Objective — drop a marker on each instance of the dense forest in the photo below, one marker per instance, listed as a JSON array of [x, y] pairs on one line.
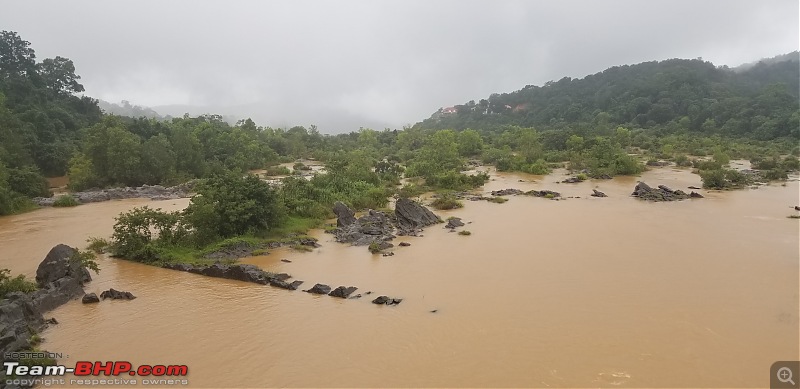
[[603, 125], [675, 96]]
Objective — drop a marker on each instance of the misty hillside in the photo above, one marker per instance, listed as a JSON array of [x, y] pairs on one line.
[[125, 108], [675, 95]]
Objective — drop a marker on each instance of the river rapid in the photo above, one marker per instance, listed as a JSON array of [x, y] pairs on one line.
[[584, 292]]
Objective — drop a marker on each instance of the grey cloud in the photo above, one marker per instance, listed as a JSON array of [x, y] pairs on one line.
[[345, 64]]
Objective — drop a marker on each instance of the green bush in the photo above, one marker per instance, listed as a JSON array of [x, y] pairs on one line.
[[15, 284], [98, 245], [65, 201], [446, 200]]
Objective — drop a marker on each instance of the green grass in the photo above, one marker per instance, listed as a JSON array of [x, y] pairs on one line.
[[549, 196], [464, 232], [65, 201], [295, 225], [446, 200], [303, 248]]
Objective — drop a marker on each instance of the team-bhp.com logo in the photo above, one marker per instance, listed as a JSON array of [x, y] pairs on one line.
[[86, 371]]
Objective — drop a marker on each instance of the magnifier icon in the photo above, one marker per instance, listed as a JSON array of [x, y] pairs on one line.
[[785, 375]]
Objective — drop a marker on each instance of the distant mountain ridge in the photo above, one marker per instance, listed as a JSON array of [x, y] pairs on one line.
[[758, 100]]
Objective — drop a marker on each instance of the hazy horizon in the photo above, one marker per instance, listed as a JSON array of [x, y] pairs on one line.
[[373, 63]]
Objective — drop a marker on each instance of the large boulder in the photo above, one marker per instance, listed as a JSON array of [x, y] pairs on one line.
[[372, 227], [454, 222], [411, 215], [344, 215], [59, 278], [90, 298], [58, 264]]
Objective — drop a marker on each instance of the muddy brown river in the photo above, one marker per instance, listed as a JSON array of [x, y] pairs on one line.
[[586, 292]]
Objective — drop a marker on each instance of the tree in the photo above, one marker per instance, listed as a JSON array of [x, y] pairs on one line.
[[229, 205], [470, 143], [58, 74], [16, 55]]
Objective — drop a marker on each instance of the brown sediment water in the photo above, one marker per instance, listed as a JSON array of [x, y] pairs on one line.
[[584, 292]]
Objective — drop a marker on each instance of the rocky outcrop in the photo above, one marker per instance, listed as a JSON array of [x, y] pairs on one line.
[[696, 195], [404, 244], [374, 227], [286, 285], [661, 193], [116, 295], [454, 222], [239, 272], [154, 192], [597, 193], [344, 215], [320, 289], [343, 291], [90, 298], [506, 192], [60, 279], [380, 300], [411, 216], [543, 193]]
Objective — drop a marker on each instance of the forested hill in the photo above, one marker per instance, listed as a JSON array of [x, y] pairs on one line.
[[757, 101]]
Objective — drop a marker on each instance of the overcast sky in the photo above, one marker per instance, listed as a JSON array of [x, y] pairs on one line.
[[350, 63]]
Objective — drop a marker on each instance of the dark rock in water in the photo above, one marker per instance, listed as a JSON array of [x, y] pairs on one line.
[[410, 215], [543, 193], [310, 242], [154, 192], [368, 292], [657, 163], [797, 207], [572, 180], [597, 193], [375, 226], [344, 215], [434, 310], [454, 222], [57, 264], [662, 193], [404, 244], [51, 320], [117, 295], [695, 195], [281, 276], [286, 285], [386, 300], [286, 260], [320, 289], [694, 187], [59, 278], [90, 298], [506, 192], [389, 254], [343, 291]]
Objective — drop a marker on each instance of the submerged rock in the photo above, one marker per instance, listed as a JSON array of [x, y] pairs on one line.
[[90, 298], [117, 295], [506, 192], [543, 193], [320, 289], [454, 222], [404, 244], [342, 291], [572, 180], [381, 300], [597, 193]]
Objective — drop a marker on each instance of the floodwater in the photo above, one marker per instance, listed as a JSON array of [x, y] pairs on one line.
[[585, 292]]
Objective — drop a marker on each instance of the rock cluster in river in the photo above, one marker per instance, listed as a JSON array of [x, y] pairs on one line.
[[376, 228], [59, 279], [661, 193], [153, 192], [535, 193]]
